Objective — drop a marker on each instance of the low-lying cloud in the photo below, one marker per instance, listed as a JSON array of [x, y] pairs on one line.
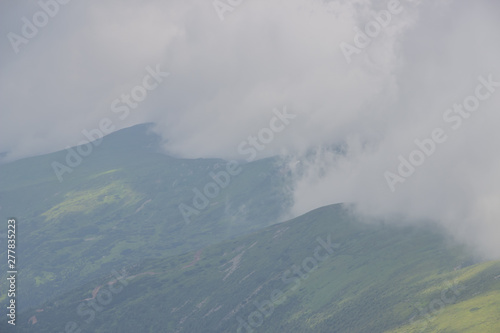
[[355, 115]]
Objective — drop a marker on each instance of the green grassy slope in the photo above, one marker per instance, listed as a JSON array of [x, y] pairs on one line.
[[372, 278], [121, 205]]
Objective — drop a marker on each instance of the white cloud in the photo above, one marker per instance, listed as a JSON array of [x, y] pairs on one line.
[[226, 78]]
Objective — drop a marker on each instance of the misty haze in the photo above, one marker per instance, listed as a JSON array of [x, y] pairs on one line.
[[245, 166]]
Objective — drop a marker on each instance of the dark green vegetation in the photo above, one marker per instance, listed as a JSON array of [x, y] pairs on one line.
[[107, 250], [377, 278], [120, 205]]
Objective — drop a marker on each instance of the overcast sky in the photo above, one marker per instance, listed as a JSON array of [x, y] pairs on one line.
[[225, 78]]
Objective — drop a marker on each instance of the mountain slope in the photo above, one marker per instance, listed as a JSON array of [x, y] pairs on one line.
[[120, 205], [321, 272]]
